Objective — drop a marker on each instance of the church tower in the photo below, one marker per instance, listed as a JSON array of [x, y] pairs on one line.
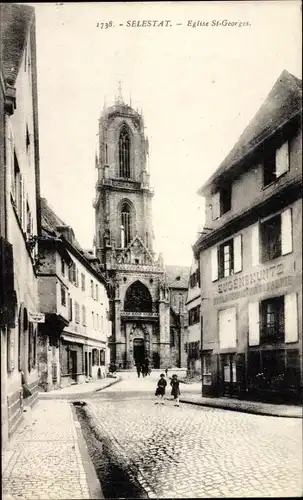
[[124, 240]]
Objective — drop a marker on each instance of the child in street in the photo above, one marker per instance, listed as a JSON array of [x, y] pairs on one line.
[[175, 390], [160, 390]]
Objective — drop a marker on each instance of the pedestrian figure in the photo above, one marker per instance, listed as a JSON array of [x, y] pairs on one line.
[[138, 368], [175, 390], [166, 372], [160, 390]]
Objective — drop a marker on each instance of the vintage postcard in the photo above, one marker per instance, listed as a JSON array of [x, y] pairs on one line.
[[151, 249]]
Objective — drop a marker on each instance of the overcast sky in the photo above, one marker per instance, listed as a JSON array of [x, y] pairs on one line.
[[198, 88]]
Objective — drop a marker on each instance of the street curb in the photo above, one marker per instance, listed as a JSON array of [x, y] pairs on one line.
[[113, 382], [239, 409], [75, 395], [93, 483]]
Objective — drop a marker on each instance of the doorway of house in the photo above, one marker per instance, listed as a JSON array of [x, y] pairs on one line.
[[229, 374], [73, 358], [90, 364], [139, 352], [86, 364]]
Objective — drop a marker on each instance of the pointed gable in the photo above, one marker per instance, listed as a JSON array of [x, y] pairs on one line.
[[282, 104], [136, 253]]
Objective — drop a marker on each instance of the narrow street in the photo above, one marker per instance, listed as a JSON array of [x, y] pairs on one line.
[[192, 451]]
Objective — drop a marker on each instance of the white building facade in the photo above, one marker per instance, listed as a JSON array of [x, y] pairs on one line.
[[21, 211]]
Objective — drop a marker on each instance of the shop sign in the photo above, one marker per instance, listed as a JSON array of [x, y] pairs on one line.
[[36, 317], [252, 279]]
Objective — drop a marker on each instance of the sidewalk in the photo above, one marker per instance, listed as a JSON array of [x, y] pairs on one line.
[[47, 458], [78, 390], [255, 407]]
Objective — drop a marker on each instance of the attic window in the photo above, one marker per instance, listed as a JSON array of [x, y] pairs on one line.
[[276, 163]]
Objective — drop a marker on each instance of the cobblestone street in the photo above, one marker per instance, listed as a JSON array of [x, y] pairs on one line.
[[201, 452]]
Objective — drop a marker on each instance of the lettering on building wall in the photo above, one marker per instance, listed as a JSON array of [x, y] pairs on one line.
[[266, 287], [251, 279]]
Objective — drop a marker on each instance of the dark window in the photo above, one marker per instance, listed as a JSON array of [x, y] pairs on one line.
[[225, 199], [63, 296], [269, 171], [271, 238], [272, 320], [70, 309], [172, 338], [62, 267], [124, 153], [92, 288], [194, 279], [138, 298], [102, 358], [226, 259], [27, 138], [194, 315], [126, 223]]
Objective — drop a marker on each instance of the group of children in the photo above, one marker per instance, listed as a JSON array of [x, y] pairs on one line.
[[161, 386]]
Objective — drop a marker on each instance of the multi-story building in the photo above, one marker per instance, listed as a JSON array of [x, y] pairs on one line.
[[251, 257], [20, 215], [140, 298], [193, 307], [73, 340]]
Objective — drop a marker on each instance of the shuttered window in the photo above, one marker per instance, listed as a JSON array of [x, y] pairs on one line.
[[227, 328], [286, 230], [291, 317], [282, 159], [253, 324], [238, 253], [255, 244], [214, 263]]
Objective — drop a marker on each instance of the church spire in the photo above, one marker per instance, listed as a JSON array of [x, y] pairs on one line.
[[119, 98]]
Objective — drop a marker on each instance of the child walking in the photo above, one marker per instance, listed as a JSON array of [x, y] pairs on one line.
[[175, 391], [160, 390]]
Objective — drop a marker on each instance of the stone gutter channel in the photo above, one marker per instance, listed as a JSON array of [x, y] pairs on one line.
[[119, 477]]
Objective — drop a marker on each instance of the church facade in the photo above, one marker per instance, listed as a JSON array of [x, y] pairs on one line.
[[139, 291]]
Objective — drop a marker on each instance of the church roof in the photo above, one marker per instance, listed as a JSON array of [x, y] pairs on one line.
[[283, 103], [172, 272], [15, 23]]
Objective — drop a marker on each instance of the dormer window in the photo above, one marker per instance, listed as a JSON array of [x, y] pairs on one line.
[[276, 163], [124, 153], [221, 202]]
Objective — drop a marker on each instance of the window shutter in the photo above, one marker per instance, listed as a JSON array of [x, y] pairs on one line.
[[214, 263], [291, 317], [238, 253], [227, 328], [216, 205], [255, 245], [253, 323], [282, 159], [286, 231]]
